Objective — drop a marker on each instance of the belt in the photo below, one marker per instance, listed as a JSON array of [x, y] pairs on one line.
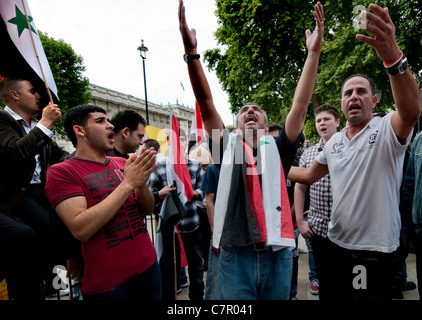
[[259, 246]]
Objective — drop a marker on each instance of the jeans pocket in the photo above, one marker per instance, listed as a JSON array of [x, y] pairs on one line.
[[226, 253], [285, 254]]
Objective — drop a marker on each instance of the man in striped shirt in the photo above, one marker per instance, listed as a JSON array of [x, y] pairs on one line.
[[327, 120]]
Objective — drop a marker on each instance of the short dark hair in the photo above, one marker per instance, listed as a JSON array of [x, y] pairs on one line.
[[7, 84], [371, 83], [78, 116], [329, 108], [127, 118], [152, 143], [274, 127]]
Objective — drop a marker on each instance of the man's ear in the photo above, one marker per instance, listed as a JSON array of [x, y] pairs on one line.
[[79, 130], [125, 132], [13, 94]]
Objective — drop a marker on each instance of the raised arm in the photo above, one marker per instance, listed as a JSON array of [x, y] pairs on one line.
[[404, 86], [199, 82], [308, 175], [305, 87]]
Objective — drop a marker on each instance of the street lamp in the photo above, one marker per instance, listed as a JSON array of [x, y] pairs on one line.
[[143, 51]]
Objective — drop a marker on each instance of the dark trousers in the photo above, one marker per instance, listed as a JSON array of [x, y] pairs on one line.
[[358, 274], [18, 247], [192, 243], [418, 246], [321, 252], [35, 209]]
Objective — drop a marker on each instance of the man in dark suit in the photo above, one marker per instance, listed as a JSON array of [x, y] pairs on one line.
[[26, 151]]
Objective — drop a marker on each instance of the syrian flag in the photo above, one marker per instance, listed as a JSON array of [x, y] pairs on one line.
[[176, 167], [172, 210], [197, 128], [22, 52]]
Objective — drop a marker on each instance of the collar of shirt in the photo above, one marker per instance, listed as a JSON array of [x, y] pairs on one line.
[[36, 177], [18, 118], [28, 127]]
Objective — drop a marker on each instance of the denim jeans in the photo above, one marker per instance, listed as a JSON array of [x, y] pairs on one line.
[[142, 287], [192, 243], [211, 286], [246, 274]]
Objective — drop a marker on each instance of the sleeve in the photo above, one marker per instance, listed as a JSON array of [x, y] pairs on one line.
[[407, 193], [210, 181], [61, 185], [15, 147], [322, 156], [199, 181], [302, 160], [287, 152]]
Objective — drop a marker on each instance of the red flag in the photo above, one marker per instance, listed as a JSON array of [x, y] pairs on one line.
[[177, 169], [197, 126]]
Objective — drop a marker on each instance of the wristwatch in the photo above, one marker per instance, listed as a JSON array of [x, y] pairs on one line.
[[400, 67], [190, 57]]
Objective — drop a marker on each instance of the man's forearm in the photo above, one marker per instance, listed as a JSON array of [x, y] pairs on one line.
[[145, 199]]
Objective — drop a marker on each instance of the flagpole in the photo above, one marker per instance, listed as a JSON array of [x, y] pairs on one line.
[[174, 264], [36, 52]]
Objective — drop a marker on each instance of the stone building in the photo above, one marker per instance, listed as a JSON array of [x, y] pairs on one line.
[[114, 101]]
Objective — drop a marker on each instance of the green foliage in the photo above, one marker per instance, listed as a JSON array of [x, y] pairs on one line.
[[262, 50], [67, 68]]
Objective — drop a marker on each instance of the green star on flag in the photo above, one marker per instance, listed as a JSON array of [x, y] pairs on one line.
[[20, 21]]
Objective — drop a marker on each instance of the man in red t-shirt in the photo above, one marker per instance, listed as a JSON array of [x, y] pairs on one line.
[[102, 200]]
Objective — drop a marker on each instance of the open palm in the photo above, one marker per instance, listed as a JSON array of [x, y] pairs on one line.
[[314, 39]]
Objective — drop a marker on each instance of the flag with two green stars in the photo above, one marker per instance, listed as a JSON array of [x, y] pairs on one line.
[[22, 54]]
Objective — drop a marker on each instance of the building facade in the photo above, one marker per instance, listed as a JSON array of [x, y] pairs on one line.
[[114, 101]]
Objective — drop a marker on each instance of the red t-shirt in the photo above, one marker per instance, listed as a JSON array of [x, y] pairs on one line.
[[122, 248]]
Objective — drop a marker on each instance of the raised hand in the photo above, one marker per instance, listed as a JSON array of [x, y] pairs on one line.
[[50, 115], [314, 39], [138, 168], [188, 35], [380, 25]]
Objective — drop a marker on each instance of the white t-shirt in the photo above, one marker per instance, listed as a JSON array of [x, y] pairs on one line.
[[366, 174]]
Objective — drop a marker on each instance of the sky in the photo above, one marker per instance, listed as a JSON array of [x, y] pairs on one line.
[[107, 33]]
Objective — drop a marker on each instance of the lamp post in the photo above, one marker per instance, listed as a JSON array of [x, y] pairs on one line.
[[143, 51]]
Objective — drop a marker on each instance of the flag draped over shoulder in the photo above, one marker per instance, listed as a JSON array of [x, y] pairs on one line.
[[247, 212], [177, 170], [21, 48]]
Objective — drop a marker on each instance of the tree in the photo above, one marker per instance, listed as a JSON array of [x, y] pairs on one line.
[[263, 50], [67, 68]]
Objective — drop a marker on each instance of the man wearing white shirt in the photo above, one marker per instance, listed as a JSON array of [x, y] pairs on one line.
[[26, 151], [365, 162]]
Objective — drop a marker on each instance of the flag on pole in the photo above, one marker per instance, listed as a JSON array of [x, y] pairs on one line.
[[197, 128], [176, 167], [22, 51], [172, 210]]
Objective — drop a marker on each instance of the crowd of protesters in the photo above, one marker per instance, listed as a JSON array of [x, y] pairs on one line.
[[87, 210]]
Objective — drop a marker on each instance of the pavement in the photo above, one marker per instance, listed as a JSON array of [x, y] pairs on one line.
[[303, 292]]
